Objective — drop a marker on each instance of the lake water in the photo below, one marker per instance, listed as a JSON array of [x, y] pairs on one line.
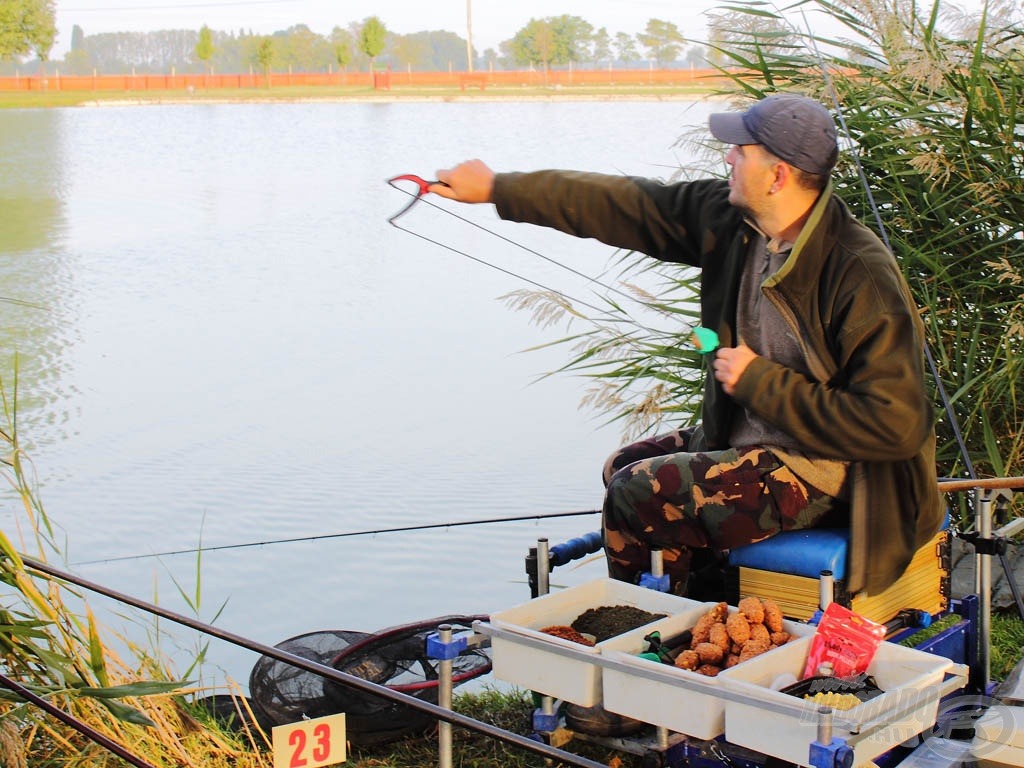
[[232, 346]]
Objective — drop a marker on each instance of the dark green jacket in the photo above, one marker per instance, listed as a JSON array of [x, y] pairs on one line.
[[842, 293]]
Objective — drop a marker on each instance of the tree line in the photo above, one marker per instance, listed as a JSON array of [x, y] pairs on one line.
[[27, 28], [27, 35]]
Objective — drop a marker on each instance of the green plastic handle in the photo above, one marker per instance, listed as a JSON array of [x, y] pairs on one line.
[[704, 340]]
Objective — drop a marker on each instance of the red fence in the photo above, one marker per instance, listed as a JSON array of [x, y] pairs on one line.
[[379, 80]]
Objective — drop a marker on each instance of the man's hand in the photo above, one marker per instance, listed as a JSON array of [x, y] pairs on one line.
[[730, 363], [468, 182]]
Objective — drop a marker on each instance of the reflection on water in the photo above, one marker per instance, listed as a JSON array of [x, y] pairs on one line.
[[36, 286], [236, 349]]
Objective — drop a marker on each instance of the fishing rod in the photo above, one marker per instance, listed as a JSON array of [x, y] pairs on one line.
[[372, 532], [84, 729], [503, 270], [947, 403], [423, 187], [330, 673], [624, 338]]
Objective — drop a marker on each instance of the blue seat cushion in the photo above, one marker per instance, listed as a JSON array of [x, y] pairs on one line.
[[806, 552]]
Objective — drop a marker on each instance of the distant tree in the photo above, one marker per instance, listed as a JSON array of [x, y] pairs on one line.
[[573, 38], [663, 41], [205, 48], [490, 58], [412, 51], [601, 49], [535, 44], [344, 47], [27, 26], [300, 49], [264, 55], [552, 41], [430, 51], [41, 27], [372, 38], [142, 51], [507, 55], [13, 42], [626, 47], [229, 50], [696, 56], [76, 60]]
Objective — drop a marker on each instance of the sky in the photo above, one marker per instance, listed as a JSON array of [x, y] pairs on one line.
[[493, 21]]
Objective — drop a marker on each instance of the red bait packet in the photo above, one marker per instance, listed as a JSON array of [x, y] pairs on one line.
[[844, 644]]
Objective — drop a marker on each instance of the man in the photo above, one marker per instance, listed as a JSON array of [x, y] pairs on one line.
[[815, 410]]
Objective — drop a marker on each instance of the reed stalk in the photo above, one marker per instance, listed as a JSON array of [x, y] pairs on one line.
[[52, 645]]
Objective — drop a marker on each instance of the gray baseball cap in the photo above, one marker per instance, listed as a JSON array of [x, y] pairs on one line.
[[794, 128]]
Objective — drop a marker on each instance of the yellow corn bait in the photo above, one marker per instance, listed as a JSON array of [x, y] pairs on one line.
[[833, 699]]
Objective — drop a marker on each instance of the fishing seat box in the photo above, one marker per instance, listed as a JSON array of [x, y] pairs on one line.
[[526, 657], [787, 568]]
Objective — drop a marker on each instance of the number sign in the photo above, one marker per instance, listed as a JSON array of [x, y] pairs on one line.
[[310, 743]]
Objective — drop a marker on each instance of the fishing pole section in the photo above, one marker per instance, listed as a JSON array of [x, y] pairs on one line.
[[607, 317], [437, 650]]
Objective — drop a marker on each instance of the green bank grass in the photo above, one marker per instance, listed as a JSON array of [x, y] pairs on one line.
[[44, 99]]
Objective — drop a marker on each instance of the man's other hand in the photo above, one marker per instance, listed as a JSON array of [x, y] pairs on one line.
[[730, 363]]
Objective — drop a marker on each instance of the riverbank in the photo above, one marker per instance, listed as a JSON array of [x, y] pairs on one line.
[[116, 98]]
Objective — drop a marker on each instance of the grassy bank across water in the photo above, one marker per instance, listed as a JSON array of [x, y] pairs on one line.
[[54, 98]]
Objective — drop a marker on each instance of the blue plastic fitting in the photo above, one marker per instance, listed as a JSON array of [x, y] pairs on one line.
[[544, 722], [650, 581], [446, 651], [834, 755]]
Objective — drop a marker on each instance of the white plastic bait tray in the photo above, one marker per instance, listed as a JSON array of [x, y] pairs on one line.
[[661, 694], [523, 655], [784, 726]]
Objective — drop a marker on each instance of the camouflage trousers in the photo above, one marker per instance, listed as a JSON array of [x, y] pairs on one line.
[[660, 494]]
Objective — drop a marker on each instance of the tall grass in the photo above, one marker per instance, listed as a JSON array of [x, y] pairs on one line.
[[53, 646]]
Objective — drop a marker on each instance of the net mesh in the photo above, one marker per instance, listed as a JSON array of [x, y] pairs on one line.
[[395, 657], [282, 693]]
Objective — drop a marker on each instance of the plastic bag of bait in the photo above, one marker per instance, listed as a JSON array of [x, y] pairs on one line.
[[844, 644]]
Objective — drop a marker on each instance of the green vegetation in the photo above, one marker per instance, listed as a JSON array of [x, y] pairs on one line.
[[27, 26], [371, 39], [663, 41], [551, 42], [572, 41], [264, 55], [205, 48], [53, 646]]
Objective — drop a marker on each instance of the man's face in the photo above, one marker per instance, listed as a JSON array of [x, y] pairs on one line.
[[753, 172]]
